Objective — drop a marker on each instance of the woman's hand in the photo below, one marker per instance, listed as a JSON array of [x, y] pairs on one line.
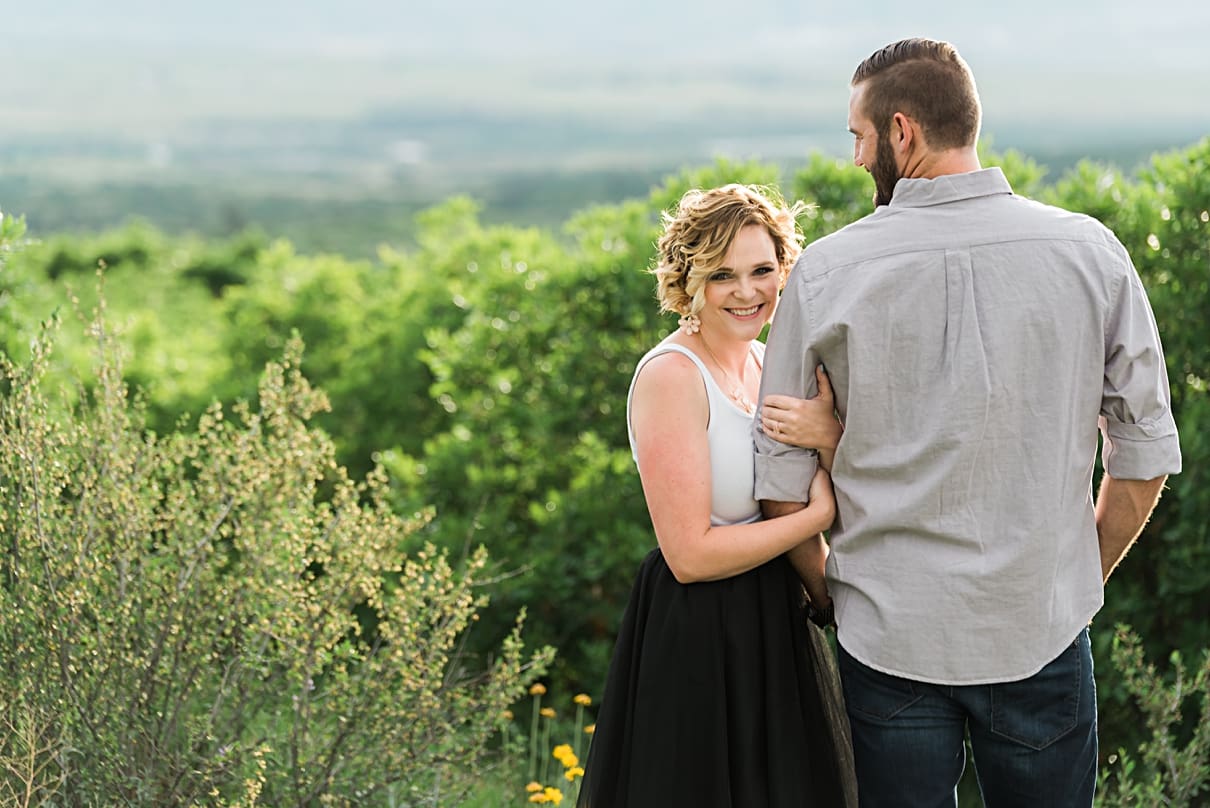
[[807, 422]]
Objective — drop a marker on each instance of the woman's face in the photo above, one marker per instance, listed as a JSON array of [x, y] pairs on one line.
[[741, 294]]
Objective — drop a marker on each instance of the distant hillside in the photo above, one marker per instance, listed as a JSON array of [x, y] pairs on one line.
[[236, 113]]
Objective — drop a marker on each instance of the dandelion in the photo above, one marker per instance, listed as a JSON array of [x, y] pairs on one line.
[[568, 754], [507, 715], [565, 755]]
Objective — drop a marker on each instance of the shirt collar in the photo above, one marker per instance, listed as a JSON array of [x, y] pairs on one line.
[[920, 193]]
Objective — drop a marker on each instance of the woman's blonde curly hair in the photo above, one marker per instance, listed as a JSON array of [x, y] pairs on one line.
[[696, 239]]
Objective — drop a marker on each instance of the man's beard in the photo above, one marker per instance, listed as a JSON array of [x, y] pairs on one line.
[[884, 172]]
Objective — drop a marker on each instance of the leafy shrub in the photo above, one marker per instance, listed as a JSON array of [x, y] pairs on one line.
[[223, 616], [487, 367], [1171, 767], [531, 456]]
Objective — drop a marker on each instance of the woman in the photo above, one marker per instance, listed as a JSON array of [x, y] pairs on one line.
[[718, 694]]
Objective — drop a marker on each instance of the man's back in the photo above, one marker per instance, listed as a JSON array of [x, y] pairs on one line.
[[970, 336]]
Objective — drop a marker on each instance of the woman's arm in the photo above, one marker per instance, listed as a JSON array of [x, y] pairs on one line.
[[807, 422], [669, 415]]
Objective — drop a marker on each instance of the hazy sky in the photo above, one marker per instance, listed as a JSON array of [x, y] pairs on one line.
[[152, 66], [1171, 35]]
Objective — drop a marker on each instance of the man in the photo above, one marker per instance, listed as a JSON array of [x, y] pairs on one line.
[[975, 340]]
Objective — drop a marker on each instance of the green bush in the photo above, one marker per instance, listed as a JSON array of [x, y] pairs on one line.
[[167, 312], [223, 616], [1172, 766], [531, 455], [487, 368]]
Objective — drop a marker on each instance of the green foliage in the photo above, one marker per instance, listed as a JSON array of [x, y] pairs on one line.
[[12, 230], [839, 192], [721, 172], [533, 458], [487, 368], [224, 616], [1171, 246], [166, 310], [12, 235], [230, 264], [1165, 770], [1024, 174]]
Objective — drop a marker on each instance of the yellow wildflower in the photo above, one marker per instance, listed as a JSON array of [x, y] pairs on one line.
[[507, 715], [548, 712], [553, 795], [538, 797], [537, 689], [572, 773], [564, 754], [534, 786], [590, 729], [583, 699]]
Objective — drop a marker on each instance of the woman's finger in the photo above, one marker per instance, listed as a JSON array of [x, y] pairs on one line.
[[778, 403], [825, 384]]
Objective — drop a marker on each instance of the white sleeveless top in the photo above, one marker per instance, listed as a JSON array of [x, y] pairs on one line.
[[729, 434]]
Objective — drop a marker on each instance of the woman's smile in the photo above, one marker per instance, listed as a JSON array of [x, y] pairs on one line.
[[745, 313]]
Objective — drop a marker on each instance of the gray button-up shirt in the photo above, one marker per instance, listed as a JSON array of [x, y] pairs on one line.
[[975, 340]]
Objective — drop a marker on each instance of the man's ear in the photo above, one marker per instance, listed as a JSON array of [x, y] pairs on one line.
[[904, 133]]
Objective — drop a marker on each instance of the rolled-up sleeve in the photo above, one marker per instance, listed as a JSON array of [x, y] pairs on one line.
[[1140, 436], [784, 472]]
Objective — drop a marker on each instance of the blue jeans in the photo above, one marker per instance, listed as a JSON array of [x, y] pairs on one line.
[[1034, 742]]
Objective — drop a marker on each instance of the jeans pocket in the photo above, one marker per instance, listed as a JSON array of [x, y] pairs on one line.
[[873, 693], [1038, 711]]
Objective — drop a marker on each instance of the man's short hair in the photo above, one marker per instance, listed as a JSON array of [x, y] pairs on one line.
[[928, 81]]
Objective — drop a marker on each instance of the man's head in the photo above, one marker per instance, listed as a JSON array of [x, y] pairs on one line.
[[912, 102]]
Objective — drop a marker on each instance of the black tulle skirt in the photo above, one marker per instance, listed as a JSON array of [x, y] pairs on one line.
[[719, 694]]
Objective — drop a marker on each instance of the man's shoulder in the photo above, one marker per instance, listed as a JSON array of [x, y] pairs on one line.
[[1062, 222], [845, 244], [1013, 217]]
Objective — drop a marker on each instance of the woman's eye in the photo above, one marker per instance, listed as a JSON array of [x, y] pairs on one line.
[[762, 270], [720, 276]]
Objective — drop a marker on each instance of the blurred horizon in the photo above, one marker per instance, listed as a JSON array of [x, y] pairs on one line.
[[217, 116]]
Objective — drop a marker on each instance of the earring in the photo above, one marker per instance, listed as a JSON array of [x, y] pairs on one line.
[[691, 323]]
